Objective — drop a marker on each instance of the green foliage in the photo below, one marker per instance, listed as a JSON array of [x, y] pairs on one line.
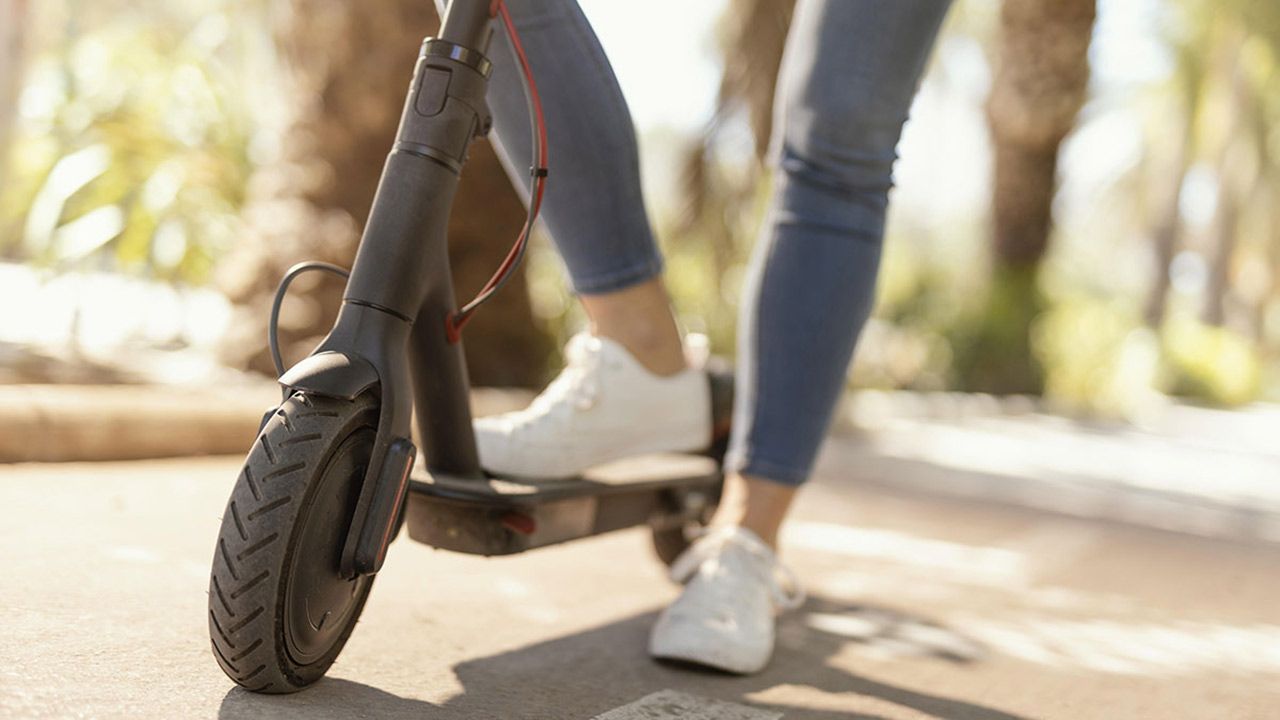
[[1096, 355], [132, 151], [141, 121], [920, 298], [1210, 364], [993, 350], [707, 263]]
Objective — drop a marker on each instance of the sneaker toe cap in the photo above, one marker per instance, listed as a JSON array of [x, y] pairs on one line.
[[494, 444], [504, 452], [717, 639]]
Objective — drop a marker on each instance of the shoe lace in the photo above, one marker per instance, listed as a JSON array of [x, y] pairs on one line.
[[577, 386], [711, 545]]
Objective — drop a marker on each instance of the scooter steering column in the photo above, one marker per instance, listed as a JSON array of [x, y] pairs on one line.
[[401, 289]]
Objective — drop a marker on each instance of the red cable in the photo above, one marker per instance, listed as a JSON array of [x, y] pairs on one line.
[[455, 322]]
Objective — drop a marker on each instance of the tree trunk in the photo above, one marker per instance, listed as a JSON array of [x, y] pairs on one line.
[[1271, 298], [1232, 165], [1224, 232], [1040, 84], [755, 35], [350, 67], [1168, 228]]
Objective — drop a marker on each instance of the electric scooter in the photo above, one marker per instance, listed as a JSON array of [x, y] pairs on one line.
[[332, 475]]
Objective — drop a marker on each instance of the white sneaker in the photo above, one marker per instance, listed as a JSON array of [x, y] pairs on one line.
[[604, 406], [724, 619]]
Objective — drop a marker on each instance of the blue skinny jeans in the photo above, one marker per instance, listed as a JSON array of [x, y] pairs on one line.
[[848, 76]]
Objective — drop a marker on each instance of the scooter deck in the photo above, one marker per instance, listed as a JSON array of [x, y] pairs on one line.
[[630, 475], [501, 516]]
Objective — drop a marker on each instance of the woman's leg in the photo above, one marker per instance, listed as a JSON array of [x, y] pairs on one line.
[[626, 389], [850, 71], [593, 206], [847, 81]]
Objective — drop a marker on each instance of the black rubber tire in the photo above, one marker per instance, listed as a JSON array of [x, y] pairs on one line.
[[298, 487], [670, 543]]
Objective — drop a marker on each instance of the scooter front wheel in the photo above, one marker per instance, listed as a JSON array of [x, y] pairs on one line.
[[280, 610]]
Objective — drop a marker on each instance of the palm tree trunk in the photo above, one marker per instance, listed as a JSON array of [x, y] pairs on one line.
[[1231, 166], [1225, 226], [1271, 298], [754, 36], [350, 64], [1039, 88], [1168, 228]]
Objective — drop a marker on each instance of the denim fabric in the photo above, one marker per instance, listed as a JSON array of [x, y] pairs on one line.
[[849, 74], [593, 207], [846, 84]]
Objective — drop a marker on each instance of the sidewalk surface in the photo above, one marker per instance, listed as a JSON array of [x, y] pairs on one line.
[[922, 606], [1207, 472]]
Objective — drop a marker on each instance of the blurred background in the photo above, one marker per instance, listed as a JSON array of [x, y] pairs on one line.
[[1053, 481], [1096, 228]]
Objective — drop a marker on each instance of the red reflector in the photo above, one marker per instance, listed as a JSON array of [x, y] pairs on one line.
[[519, 522]]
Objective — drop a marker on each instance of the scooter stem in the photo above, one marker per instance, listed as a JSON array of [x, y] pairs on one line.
[[401, 289]]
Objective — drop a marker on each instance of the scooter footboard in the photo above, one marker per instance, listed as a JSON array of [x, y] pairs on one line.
[[507, 516]]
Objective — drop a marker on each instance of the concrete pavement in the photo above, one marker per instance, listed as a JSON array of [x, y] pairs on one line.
[[921, 607], [1202, 471]]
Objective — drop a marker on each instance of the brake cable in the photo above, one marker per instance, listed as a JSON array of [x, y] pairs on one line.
[[454, 322]]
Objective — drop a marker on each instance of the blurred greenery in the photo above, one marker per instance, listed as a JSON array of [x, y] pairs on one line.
[[140, 124], [133, 149], [947, 319]]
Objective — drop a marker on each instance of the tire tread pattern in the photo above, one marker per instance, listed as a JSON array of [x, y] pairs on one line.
[[246, 587]]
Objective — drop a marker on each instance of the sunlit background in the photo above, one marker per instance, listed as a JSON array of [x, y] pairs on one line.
[[140, 138], [1051, 490]]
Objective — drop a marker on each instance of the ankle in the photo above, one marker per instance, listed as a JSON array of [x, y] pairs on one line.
[[769, 536], [660, 353], [639, 318], [754, 504]]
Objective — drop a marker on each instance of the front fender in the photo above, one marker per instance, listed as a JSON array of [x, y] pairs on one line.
[[332, 374]]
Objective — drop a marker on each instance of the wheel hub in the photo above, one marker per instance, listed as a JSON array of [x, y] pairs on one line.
[[319, 601]]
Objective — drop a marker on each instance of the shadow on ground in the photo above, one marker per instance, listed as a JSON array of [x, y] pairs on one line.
[[329, 698], [579, 676]]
